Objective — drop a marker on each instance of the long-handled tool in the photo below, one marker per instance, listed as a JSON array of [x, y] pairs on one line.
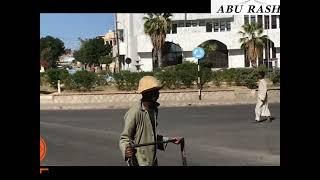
[[133, 161]]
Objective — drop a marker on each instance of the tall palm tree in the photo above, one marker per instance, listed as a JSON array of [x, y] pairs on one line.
[[156, 25], [252, 41]]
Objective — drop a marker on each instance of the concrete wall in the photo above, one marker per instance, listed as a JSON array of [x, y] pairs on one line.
[[167, 98], [236, 58]]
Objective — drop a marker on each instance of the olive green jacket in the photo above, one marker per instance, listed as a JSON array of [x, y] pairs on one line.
[[138, 128]]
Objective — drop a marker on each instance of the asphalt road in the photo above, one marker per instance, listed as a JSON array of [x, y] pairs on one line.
[[215, 136]]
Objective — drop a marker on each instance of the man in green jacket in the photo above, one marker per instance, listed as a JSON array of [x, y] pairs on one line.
[[140, 125]]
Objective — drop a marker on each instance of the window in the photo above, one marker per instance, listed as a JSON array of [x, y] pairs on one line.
[[253, 18], [228, 25], [266, 22], [273, 22], [209, 27], [172, 54], [110, 42], [222, 25], [194, 23], [246, 19], [181, 24], [188, 24], [121, 35], [174, 28], [260, 20], [169, 30], [216, 26], [274, 51], [202, 23]]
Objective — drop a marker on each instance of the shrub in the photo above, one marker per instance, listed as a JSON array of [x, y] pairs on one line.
[[101, 80], [261, 68], [229, 76], [206, 63], [205, 76], [251, 80], [83, 80], [44, 80], [168, 77], [119, 80], [103, 72], [57, 74], [186, 73], [126, 80], [217, 78], [131, 80], [241, 75], [275, 76]]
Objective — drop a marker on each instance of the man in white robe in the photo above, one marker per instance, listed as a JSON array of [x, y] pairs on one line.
[[262, 108]]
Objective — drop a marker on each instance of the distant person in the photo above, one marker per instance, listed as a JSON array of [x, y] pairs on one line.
[[262, 108]]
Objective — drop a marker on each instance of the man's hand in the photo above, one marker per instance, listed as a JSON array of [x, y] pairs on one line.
[[177, 140], [130, 152]]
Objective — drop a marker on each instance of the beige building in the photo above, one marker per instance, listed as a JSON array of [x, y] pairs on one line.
[[110, 38]]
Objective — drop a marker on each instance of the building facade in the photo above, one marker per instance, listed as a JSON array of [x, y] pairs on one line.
[[190, 30], [110, 38]]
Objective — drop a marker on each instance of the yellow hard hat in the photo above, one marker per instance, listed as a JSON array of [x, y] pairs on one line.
[[148, 83]]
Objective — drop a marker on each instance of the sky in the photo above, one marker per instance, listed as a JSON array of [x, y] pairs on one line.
[[70, 26]]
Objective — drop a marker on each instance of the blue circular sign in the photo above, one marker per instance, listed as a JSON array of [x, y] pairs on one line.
[[198, 53]]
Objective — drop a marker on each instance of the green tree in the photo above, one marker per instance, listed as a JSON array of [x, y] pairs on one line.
[[91, 51], [50, 50], [105, 60], [209, 48], [252, 41], [157, 25]]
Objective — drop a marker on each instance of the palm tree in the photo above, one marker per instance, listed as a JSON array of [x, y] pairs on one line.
[[156, 25], [252, 41]]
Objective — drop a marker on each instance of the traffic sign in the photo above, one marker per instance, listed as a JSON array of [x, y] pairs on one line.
[[198, 53]]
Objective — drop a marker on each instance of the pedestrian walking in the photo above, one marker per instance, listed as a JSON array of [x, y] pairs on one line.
[[140, 126], [262, 108]]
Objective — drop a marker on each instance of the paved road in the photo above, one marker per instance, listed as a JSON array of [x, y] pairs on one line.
[[215, 135]]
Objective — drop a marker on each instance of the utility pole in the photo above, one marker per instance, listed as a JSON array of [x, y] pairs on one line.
[[117, 39]]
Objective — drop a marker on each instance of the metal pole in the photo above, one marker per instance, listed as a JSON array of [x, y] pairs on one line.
[[268, 43], [117, 38], [199, 80], [59, 89]]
